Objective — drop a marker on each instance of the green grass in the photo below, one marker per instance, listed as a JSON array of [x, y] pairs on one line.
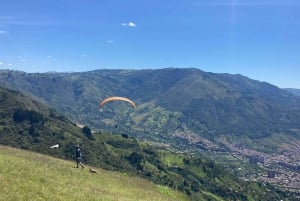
[[212, 196], [172, 159], [28, 176]]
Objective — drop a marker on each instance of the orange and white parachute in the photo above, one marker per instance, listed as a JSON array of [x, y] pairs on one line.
[[117, 98]]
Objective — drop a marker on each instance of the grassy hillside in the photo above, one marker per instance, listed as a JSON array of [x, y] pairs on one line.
[[31, 176]]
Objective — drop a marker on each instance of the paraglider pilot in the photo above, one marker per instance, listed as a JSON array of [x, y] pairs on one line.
[[78, 156]]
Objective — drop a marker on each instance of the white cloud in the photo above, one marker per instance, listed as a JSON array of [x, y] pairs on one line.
[[1, 63], [109, 41], [10, 64], [3, 32], [130, 24]]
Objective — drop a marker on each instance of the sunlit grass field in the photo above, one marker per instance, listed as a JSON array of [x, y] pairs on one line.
[[31, 176]]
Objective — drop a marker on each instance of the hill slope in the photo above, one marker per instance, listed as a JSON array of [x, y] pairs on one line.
[[294, 91], [24, 125], [30, 176]]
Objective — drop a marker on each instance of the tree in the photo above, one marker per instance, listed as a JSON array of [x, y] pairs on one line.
[[88, 133]]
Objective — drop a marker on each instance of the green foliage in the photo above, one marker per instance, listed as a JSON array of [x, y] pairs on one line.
[[88, 133], [198, 177], [136, 160], [169, 101], [21, 115]]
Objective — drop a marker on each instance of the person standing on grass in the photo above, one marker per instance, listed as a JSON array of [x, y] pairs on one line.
[[78, 156]]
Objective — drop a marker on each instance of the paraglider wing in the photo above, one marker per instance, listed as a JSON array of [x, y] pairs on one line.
[[117, 98]]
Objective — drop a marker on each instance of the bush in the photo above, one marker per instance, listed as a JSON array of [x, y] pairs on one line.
[[21, 115], [88, 133]]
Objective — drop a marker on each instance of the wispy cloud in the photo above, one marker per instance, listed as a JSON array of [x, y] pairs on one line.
[[129, 24], [4, 18], [10, 20], [109, 41], [3, 32], [83, 55]]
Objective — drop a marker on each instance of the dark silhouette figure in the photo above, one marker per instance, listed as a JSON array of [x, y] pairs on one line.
[[78, 155]]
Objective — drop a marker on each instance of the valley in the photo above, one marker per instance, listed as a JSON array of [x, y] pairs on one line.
[[285, 164], [281, 168]]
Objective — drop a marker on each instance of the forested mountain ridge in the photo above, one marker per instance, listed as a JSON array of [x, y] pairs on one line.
[[170, 102], [293, 91]]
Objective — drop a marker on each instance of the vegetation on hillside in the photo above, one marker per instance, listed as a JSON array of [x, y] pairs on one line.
[[27, 124], [170, 101], [294, 91]]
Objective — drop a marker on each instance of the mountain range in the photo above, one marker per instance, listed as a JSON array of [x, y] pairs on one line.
[[175, 107]]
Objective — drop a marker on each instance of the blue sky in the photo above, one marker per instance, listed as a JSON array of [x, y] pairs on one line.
[[256, 38]]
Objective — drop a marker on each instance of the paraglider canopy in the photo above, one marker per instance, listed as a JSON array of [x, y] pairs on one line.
[[117, 98]]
